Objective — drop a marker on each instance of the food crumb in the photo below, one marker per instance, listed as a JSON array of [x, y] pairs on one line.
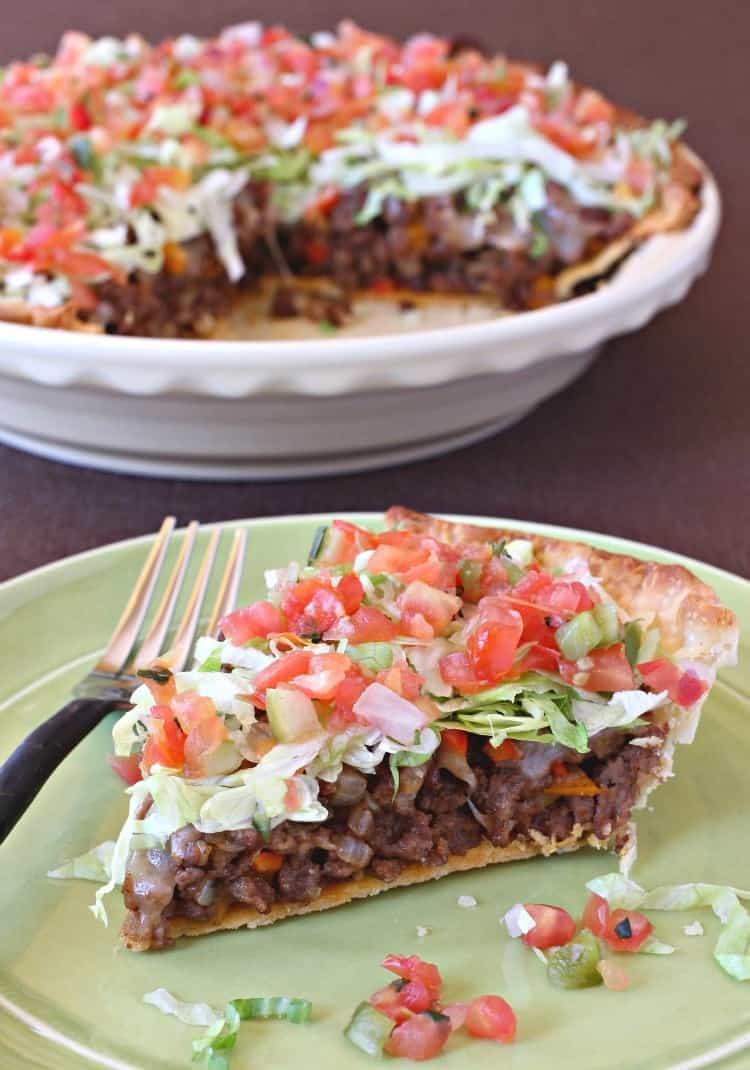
[[693, 928], [422, 931], [467, 901]]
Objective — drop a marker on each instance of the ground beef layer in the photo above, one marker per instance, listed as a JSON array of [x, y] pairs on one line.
[[431, 246], [432, 816]]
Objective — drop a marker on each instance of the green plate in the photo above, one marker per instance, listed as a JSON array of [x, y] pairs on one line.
[[72, 999]]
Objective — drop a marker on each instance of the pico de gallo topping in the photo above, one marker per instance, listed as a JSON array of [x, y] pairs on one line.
[[114, 152], [374, 653], [423, 1022]]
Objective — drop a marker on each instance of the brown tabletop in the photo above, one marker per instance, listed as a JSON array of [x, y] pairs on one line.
[[653, 443]]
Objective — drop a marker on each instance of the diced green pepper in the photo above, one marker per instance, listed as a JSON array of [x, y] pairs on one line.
[[633, 639], [578, 636], [574, 965], [470, 573], [605, 615], [369, 1029], [282, 1008]]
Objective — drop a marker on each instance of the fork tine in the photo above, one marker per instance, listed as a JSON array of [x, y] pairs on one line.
[[177, 655], [230, 581], [126, 630], [154, 639]]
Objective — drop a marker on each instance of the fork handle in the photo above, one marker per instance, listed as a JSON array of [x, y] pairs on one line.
[[34, 760]]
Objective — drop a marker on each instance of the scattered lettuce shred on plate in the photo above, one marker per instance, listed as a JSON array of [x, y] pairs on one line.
[[223, 1027], [94, 865]]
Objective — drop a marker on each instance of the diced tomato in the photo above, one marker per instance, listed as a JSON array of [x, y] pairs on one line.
[[78, 116], [413, 968], [324, 203], [343, 542], [492, 644], [690, 688], [494, 577], [508, 751], [426, 611], [592, 107], [10, 239], [663, 675], [595, 915], [166, 740], [258, 620], [128, 768], [659, 675], [457, 670], [491, 1017], [421, 1037], [456, 740], [347, 693], [457, 1014], [285, 668], [565, 133], [402, 680], [351, 592], [388, 1001], [205, 730], [568, 597], [554, 926], [448, 116], [411, 557], [543, 658], [627, 930], [367, 625], [610, 671], [311, 607], [267, 862], [400, 999], [326, 673], [145, 189]]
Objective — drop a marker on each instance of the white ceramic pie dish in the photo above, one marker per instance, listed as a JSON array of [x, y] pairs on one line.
[[276, 409]]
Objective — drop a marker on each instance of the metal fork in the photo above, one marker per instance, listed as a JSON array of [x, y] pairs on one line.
[[111, 682]]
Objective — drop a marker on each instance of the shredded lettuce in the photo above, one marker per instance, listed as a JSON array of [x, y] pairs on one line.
[[531, 708], [223, 1028], [94, 865], [732, 951], [623, 709], [408, 758], [373, 657], [188, 1013]]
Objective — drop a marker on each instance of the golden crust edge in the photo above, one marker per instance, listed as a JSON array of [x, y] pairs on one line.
[[334, 895]]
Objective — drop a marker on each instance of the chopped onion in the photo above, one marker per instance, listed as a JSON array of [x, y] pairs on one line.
[[361, 822], [457, 765], [354, 852], [478, 816], [350, 787], [205, 896], [391, 714]]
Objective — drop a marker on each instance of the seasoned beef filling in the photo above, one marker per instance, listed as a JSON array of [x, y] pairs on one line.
[[430, 246], [371, 831]]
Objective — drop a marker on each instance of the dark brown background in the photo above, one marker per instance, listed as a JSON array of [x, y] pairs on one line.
[[654, 442]]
